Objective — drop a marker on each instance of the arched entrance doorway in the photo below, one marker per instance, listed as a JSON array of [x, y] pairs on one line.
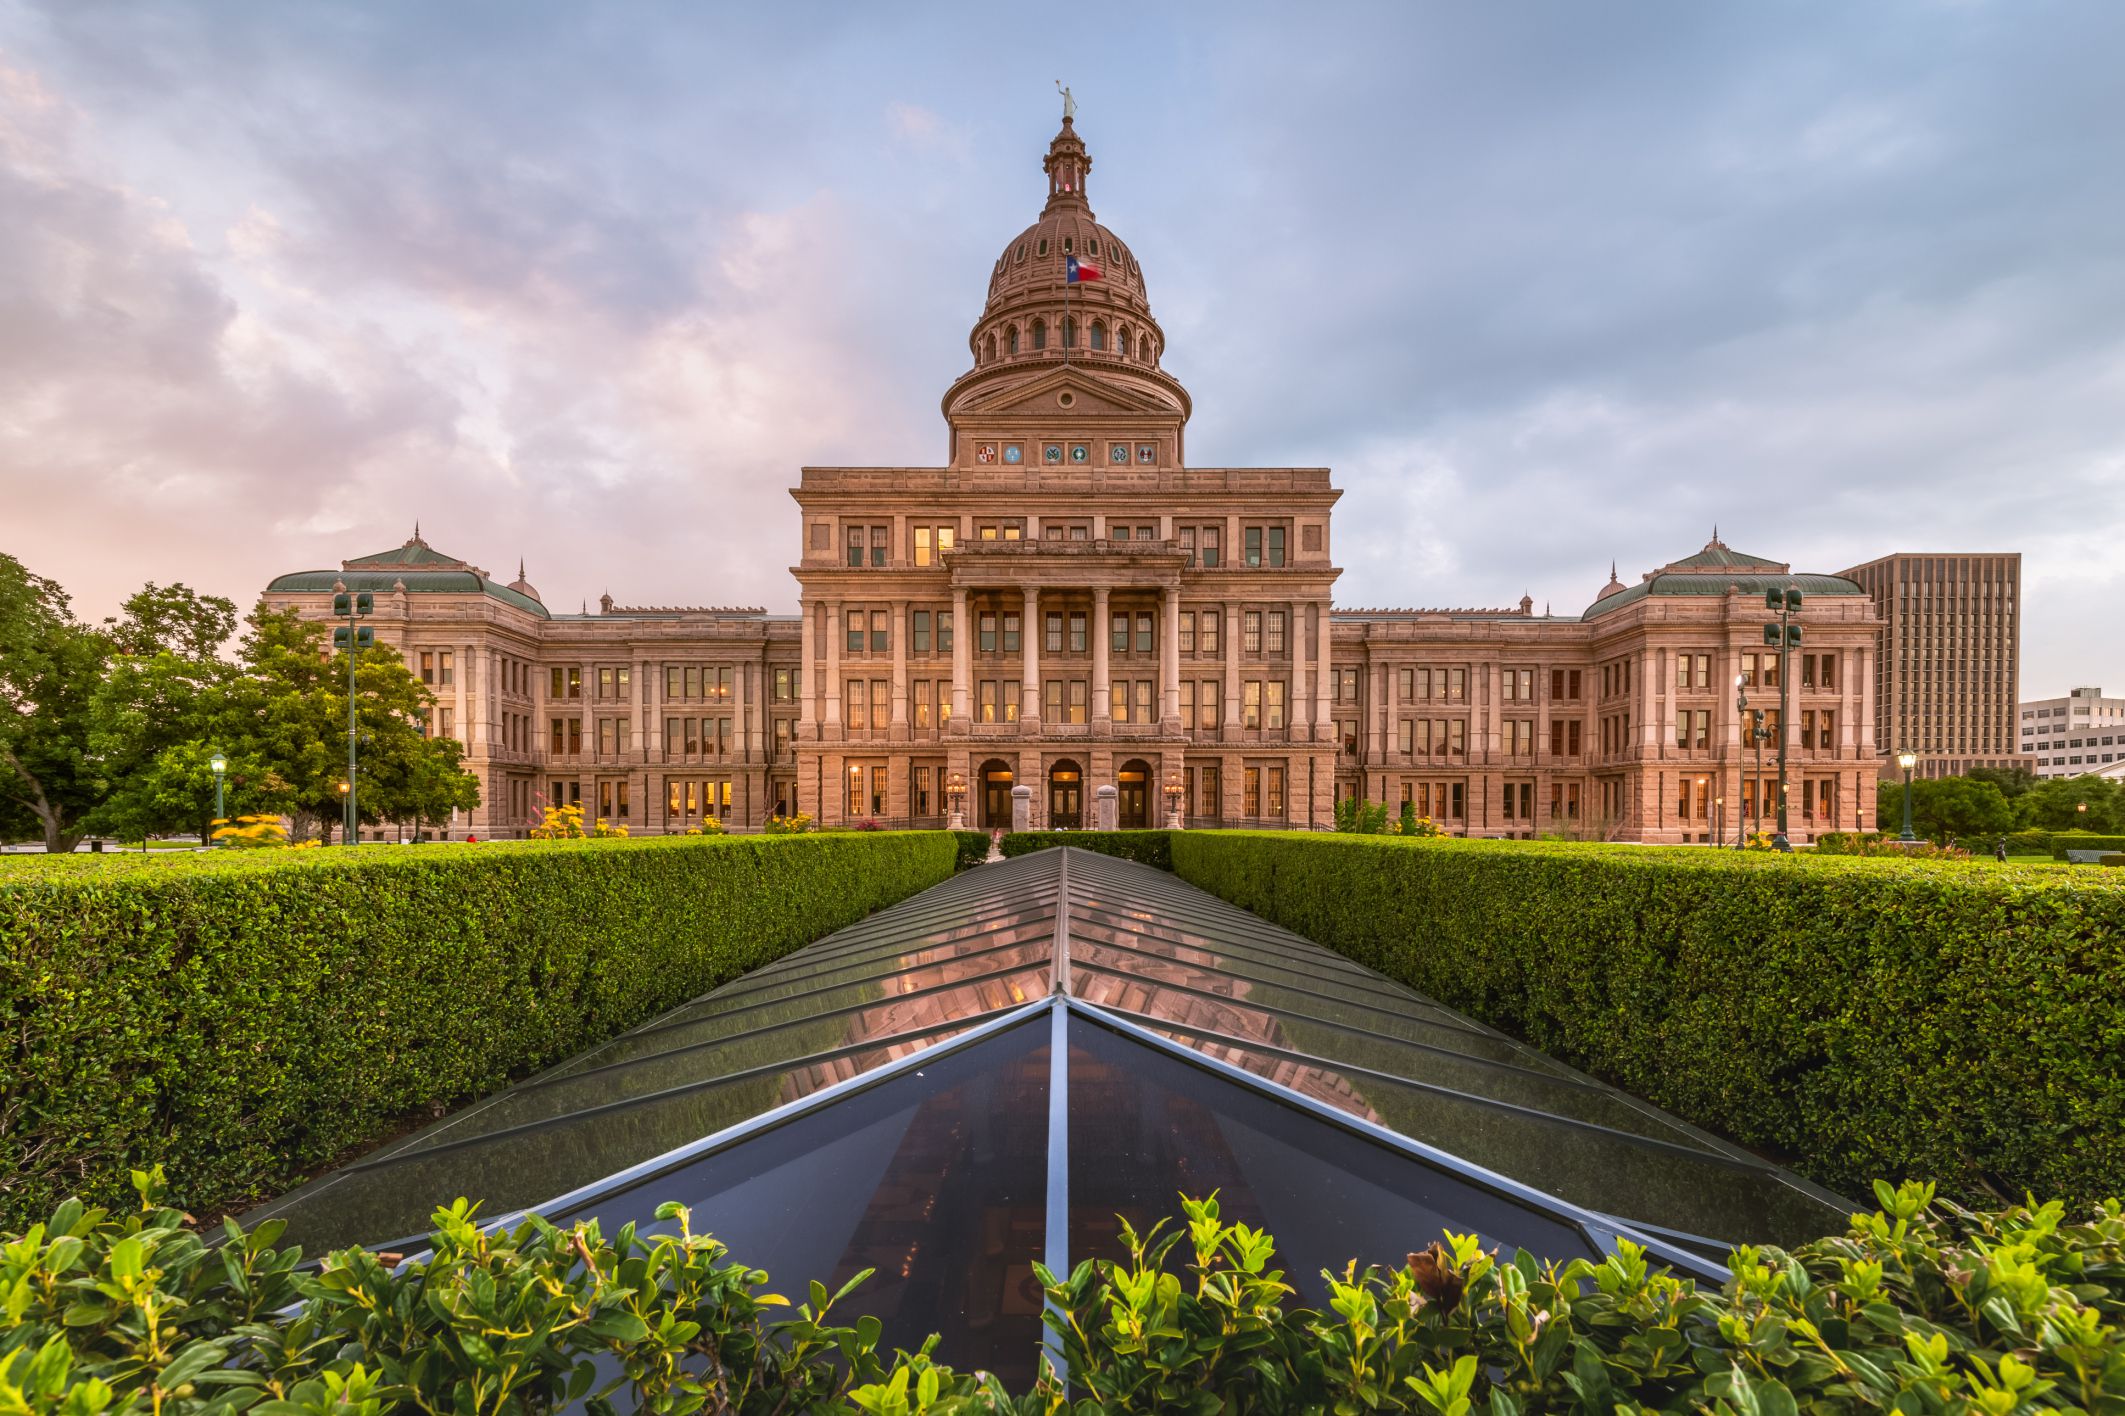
[[996, 794], [1066, 796], [1133, 784]]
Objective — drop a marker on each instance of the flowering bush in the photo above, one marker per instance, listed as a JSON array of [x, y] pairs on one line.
[[565, 823], [795, 825], [1877, 843], [252, 832], [709, 826]]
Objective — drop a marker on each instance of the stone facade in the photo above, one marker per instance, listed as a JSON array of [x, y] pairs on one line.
[[1076, 625]]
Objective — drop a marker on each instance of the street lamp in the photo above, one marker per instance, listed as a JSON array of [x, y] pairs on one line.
[[219, 766], [1907, 760], [353, 639], [1175, 791], [1782, 636], [955, 792]]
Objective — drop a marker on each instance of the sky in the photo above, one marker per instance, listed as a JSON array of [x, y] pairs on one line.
[[1546, 285]]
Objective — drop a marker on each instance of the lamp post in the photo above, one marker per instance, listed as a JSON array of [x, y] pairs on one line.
[[1782, 636], [1175, 791], [955, 792], [219, 766], [353, 639], [1907, 760]]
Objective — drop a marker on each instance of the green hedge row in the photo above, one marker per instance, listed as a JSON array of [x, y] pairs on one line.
[[1146, 847], [2064, 841], [254, 1015], [1958, 1021], [972, 847]]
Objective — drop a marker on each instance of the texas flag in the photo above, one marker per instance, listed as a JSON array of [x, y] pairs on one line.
[[1078, 270]]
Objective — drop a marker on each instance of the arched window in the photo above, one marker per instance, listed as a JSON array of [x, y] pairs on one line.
[[1121, 341], [1021, 252], [1066, 245], [1099, 335], [1011, 339], [1040, 334], [988, 350], [1069, 334], [1143, 350], [1092, 246], [1040, 247]]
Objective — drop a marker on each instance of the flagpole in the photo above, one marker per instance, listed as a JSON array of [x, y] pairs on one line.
[[1066, 330]]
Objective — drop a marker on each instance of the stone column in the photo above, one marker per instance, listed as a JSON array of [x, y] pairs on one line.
[[1029, 642], [1231, 716], [807, 667], [1295, 703], [1323, 673], [832, 687], [900, 671], [1169, 666], [962, 661], [1100, 609], [742, 690]]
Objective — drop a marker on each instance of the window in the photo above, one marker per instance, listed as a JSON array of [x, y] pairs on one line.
[[1078, 638], [944, 631], [1273, 785], [1564, 737], [1080, 699], [1207, 800], [1187, 540], [1693, 728], [1099, 335], [427, 667], [855, 545], [1144, 640], [1251, 704], [1055, 632], [919, 632], [1010, 632], [1347, 685], [1187, 631], [1187, 703], [1276, 557], [1254, 557], [985, 635], [1564, 684], [1251, 633], [1520, 737], [1250, 791], [1211, 619], [878, 545], [1210, 540], [855, 698], [852, 619], [923, 693], [1519, 685], [1118, 631], [785, 685], [1143, 702], [1564, 801], [1275, 625], [1273, 704], [1518, 803], [1040, 334], [1208, 716]]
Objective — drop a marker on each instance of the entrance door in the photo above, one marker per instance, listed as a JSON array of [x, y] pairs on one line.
[[995, 795], [1133, 784], [1066, 797]]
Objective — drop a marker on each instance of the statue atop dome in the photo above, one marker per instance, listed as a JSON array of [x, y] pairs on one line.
[[1069, 103]]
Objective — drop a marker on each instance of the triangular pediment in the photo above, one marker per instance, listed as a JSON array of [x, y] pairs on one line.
[[1090, 393]]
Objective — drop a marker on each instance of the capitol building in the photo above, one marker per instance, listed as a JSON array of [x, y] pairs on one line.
[[1068, 606]]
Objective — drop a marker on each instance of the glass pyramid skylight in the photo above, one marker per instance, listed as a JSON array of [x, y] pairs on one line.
[[990, 1072]]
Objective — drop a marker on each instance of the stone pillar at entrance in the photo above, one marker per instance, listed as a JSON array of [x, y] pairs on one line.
[[1107, 808], [1100, 634], [1021, 807], [1029, 641], [962, 659]]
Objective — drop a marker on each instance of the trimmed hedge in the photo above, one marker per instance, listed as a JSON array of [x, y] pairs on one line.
[[2064, 841], [972, 848], [255, 1014], [1963, 1022], [1144, 847]]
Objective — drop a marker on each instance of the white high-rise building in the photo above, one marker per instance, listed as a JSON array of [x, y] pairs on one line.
[[2082, 732]]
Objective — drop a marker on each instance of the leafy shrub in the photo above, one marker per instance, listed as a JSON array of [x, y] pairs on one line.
[[2064, 841], [1359, 817], [1918, 1308], [973, 848], [1411, 824], [257, 1013], [2029, 842], [796, 824], [250, 833], [1146, 847], [1957, 1020], [1872, 843]]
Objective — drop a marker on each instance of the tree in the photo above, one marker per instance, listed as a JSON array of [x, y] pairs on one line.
[[2012, 781], [50, 665], [290, 706], [154, 713], [2055, 805], [1959, 808]]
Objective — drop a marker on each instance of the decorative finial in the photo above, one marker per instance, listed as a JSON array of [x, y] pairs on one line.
[[520, 567], [1715, 533], [1612, 572], [416, 533]]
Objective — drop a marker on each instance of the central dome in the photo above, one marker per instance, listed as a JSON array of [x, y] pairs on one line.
[[1035, 316]]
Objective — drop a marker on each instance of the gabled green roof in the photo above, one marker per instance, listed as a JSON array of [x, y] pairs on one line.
[[417, 582], [1718, 557], [1699, 584], [415, 553]]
